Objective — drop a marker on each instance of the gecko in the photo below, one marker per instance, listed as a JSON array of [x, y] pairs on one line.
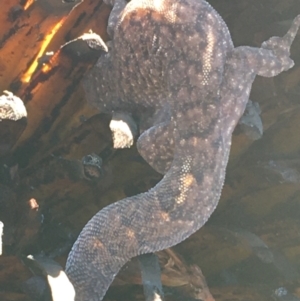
[[174, 58]]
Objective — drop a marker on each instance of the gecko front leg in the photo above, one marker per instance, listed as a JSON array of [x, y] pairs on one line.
[[244, 63], [118, 6]]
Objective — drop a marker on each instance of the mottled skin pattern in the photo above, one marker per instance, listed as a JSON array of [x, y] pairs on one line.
[[174, 54]]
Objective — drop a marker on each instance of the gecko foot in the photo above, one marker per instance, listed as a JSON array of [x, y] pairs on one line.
[[281, 45]]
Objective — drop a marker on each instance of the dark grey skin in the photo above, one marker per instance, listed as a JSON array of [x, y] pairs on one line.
[[176, 54], [151, 277]]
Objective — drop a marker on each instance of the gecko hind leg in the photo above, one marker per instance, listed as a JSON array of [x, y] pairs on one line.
[[156, 146]]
